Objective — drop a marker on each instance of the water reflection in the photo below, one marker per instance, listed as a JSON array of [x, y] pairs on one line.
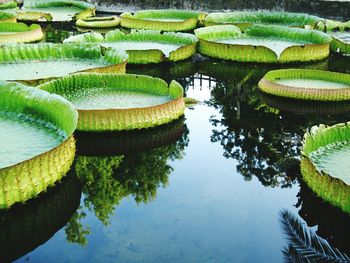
[[265, 141], [304, 245], [302, 106], [166, 71], [25, 227], [113, 166], [332, 223]]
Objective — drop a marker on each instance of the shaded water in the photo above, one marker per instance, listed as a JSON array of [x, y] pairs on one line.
[[207, 188]]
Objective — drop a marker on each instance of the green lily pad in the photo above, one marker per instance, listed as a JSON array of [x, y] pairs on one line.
[[262, 43], [60, 10], [341, 42], [145, 46], [98, 22], [246, 19], [20, 33], [7, 17], [108, 102], [164, 20], [304, 84], [8, 5], [45, 61], [325, 165], [37, 147]]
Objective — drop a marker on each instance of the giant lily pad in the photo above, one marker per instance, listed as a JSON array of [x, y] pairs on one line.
[[45, 61], [37, 147], [98, 22], [307, 84], [7, 17], [20, 33], [341, 42], [246, 19], [145, 46], [120, 102], [164, 20], [261, 43], [8, 5], [325, 163], [60, 10]]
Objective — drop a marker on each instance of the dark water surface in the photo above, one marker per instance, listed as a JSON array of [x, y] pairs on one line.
[[207, 188]]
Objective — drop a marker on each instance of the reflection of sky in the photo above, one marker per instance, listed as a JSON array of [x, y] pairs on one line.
[[200, 88], [207, 213]]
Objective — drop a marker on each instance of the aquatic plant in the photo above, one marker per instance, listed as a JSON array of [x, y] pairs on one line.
[[44, 61], [99, 22], [304, 245], [263, 43], [246, 19], [8, 5], [322, 145], [7, 17], [145, 46], [60, 10], [341, 41], [31, 117], [318, 85], [107, 102], [20, 33], [164, 20]]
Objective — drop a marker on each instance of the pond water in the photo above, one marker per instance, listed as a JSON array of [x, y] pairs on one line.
[[211, 187]]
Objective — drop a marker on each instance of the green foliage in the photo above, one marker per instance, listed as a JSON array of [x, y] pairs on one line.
[[107, 180], [306, 45], [164, 20], [269, 85], [8, 5], [6, 15], [15, 97], [57, 3]]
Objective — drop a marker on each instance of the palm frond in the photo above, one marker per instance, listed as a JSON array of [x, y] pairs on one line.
[[305, 245]]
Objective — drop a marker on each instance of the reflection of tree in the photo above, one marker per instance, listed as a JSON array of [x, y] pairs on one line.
[[265, 141], [106, 180], [306, 246], [75, 231], [332, 223], [56, 34]]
